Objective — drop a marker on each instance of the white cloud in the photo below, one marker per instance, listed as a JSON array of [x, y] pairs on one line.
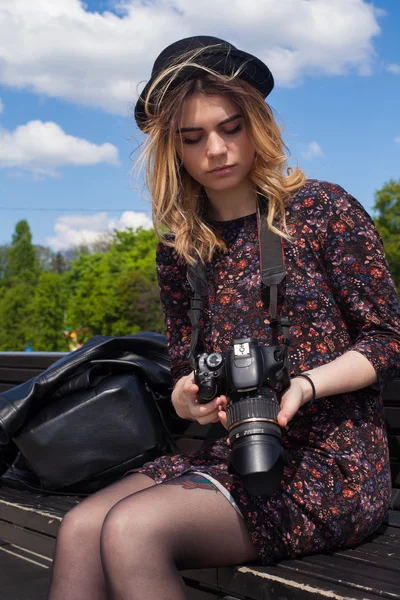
[[397, 140], [1, 106], [395, 69], [44, 147], [312, 151], [76, 230], [59, 49]]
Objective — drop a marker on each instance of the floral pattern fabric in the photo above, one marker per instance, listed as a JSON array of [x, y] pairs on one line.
[[338, 295]]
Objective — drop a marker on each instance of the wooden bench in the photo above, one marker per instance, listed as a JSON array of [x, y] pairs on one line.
[[371, 570]]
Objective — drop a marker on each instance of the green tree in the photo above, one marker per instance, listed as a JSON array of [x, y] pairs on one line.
[[140, 304], [15, 316], [23, 264], [3, 269], [3, 262], [106, 289], [47, 314], [387, 220], [21, 272], [89, 295]]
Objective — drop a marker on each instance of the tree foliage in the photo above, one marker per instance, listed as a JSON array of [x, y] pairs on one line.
[[387, 220], [47, 311], [23, 264], [111, 289]]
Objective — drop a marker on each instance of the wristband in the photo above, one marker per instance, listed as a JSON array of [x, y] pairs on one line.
[[314, 394]]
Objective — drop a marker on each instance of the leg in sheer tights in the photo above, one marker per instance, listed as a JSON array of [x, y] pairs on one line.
[[77, 569], [148, 537]]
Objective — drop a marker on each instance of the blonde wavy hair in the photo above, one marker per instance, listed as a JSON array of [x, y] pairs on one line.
[[177, 199]]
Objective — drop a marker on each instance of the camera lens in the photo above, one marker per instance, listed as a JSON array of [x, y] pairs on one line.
[[255, 438]]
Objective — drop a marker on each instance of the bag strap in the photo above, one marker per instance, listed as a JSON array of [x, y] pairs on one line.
[[272, 272]]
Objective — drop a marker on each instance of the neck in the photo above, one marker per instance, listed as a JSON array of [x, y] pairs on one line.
[[231, 204]]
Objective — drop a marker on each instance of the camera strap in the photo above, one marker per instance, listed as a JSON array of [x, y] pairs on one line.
[[272, 272]]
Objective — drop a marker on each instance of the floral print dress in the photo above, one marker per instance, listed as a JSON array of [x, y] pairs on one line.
[[338, 295]]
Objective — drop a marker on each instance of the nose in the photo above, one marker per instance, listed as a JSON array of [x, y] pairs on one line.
[[215, 145]]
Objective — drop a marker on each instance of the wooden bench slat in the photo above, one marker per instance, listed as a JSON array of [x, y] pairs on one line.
[[17, 376], [275, 581], [373, 555], [356, 570], [30, 360], [31, 540], [350, 576]]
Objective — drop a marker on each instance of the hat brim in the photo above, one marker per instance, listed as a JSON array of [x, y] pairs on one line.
[[254, 71]]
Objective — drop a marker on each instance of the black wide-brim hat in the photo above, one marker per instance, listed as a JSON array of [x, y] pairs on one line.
[[221, 57]]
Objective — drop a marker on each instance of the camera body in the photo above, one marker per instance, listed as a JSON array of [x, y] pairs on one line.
[[253, 377], [245, 366]]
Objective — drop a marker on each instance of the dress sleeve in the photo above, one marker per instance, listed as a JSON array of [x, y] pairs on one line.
[[362, 283], [175, 294]]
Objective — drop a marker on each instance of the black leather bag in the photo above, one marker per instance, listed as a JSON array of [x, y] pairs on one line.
[[99, 419]]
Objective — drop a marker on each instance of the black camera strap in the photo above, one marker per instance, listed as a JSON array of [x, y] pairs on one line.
[[272, 271]]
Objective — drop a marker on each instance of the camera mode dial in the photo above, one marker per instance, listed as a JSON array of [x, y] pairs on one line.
[[214, 360]]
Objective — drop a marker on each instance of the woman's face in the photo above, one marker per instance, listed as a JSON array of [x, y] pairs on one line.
[[215, 149]]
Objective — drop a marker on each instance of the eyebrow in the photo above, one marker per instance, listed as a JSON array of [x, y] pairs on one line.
[[228, 120]]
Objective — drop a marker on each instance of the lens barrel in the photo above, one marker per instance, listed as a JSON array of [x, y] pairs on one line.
[[255, 438]]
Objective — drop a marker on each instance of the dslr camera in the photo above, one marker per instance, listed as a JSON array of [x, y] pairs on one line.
[[253, 378]]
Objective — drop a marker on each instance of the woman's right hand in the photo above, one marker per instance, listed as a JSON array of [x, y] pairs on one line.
[[187, 406]]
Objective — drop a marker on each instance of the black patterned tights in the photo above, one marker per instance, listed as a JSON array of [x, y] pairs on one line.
[[131, 539]]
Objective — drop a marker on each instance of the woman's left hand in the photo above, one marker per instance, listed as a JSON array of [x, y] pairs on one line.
[[222, 411], [292, 399]]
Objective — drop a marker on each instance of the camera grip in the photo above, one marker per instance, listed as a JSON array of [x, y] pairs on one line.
[[207, 387]]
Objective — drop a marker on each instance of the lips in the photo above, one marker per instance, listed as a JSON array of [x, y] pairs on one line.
[[221, 168]]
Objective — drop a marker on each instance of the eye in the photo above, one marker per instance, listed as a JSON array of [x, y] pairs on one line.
[[189, 141], [235, 130]]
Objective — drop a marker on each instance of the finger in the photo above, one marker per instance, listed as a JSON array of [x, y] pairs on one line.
[[289, 407], [202, 410], [222, 418], [190, 395], [190, 387], [189, 381], [224, 401], [282, 419], [210, 418]]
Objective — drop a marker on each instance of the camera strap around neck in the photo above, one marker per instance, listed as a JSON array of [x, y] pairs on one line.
[[272, 271]]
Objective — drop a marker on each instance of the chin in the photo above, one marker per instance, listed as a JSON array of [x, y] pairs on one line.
[[225, 184]]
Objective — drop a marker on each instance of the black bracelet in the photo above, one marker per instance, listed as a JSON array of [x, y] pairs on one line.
[[314, 394]]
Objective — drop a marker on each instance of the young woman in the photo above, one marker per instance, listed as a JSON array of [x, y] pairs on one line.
[[213, 148]]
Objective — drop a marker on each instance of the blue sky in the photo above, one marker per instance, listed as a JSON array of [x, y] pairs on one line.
[[69, 71]]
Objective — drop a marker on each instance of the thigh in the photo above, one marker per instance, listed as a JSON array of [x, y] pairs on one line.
[[189, 520], [93, 509]]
